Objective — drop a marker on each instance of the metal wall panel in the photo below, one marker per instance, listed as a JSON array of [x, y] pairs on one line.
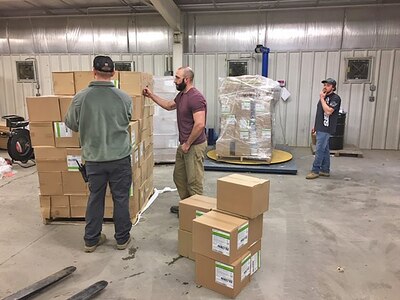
[[4, 47], [49, 35], [110, 34], [384, 83], [393, 130]]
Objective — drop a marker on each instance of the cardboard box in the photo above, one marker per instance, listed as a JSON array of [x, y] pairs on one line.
[[133, 83], [59, 207], [193, 207], [78, 205], [50, 183], [63, 83], [65, 137], [255, 226], [73, 183], [185, 244], [255, 263], [221, 237], [82, 79], [43, 109], [65, 103], [226, 279], [50, 159], [243, 195], [41, 134], [137, 108], [44, 206]]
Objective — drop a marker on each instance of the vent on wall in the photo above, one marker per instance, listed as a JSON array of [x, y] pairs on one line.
[[358, 70]]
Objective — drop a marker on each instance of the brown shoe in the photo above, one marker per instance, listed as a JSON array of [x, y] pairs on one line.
[[102, 239], [312, 175], [124, 245], [324, 174]]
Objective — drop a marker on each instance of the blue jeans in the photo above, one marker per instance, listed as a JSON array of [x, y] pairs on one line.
[[322, 155]]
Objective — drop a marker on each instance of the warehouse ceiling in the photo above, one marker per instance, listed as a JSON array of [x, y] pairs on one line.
[[19, 8]]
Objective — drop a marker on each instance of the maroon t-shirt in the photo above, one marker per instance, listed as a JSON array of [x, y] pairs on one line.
[[186, 105]]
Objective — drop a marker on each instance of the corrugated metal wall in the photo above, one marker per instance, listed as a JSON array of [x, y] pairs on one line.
[[369, 125], [306, 45]]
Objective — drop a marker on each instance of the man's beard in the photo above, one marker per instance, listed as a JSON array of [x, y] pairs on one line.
[[181, 86]]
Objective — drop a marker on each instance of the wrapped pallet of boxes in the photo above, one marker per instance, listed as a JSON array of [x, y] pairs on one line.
[[166, 135], [247, 115], [189, 209]]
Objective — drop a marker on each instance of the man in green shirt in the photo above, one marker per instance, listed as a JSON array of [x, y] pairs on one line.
[[101, 114]]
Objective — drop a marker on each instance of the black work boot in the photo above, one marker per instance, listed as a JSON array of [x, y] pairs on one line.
[[174, 209]]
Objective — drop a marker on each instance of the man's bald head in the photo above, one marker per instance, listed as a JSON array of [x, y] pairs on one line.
[[187, 73]]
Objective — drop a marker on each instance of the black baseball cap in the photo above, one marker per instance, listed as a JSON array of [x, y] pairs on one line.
[[103, 63], [329, 81]]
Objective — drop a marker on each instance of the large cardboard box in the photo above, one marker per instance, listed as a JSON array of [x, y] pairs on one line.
[[255, 263], [78, 205], [50, 159], [63, 83], [50, 183], [73, 183], [255, 226], [59, 207], [220, 236], [133, 83], [137, 108], [193, 207], [65, 137], [41, 134], [82, 79], [65, 103], [3, 139], [243, 195], [185, 244], [226, 279], [43, 109]]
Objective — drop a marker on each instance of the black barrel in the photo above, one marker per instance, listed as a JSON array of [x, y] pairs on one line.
[[337, 140]]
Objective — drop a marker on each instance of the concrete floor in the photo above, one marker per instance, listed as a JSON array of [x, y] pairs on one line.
[[351, 220]]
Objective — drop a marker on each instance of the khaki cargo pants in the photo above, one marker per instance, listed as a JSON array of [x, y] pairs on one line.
[[189, 170]]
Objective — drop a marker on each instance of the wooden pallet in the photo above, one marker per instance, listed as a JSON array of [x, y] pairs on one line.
[[242, 158], [348, 150]]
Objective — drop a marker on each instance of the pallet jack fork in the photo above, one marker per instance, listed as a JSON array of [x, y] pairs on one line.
[[37, 287]]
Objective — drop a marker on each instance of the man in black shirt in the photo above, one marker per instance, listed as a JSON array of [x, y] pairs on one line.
[[325, 125]]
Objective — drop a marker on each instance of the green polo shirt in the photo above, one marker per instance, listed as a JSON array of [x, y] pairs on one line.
[[101, 114]]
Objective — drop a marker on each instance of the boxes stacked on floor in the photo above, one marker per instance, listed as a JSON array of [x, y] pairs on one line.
[[165, 124], [189, 209], [247, 114], [226, 240], [63, 193]]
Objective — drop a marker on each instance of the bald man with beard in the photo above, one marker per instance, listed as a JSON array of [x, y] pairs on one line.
[[191, 111]]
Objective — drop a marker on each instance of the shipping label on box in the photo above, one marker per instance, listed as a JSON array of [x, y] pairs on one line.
[[72, 164], [255, 263], [221, 241], [224, 274], [243, 235], [245, 269], [61, 130]]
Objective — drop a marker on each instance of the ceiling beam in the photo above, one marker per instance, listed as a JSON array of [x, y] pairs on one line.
[[169, 11]]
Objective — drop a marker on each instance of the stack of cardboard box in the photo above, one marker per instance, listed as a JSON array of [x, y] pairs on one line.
[[246, 122], [226, 240], [3, 138], [63, 192]]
